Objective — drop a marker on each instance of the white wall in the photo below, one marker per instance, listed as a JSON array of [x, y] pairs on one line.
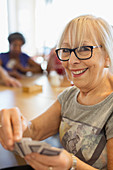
[[3, 26], [22, 18], [52, 18], [42, 23]]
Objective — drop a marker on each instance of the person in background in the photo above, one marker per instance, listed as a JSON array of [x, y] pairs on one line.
[[8, 80], [83, 114], [54, 64], [15, 61]]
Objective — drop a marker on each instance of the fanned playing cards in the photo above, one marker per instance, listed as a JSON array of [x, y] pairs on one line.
[[27, 146]]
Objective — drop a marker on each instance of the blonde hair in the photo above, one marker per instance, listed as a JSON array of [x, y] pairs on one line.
[[100, 31]]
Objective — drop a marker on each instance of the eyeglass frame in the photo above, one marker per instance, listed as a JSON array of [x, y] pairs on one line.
[[73, 50]]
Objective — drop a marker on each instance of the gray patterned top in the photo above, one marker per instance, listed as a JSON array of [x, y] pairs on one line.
[[84, 130]]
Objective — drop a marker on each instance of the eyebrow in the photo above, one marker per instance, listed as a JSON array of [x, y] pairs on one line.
[[65, 44], [84, 43]]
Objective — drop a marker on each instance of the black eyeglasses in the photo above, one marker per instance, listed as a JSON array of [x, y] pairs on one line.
[[82, 53]]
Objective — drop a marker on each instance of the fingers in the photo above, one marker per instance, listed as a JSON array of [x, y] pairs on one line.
[[15, 83], [35, 163], [11, 130], [12, 82], [60, 162], [17, 126]]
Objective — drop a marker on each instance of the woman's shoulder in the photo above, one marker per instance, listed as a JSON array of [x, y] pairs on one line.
[[4, 54], [68, 92], [24, 55]]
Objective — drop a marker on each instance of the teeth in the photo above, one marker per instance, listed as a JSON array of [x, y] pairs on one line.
[[79, 72]]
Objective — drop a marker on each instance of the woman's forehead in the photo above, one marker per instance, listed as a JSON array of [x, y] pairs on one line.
[[75, 36], [17, 41]]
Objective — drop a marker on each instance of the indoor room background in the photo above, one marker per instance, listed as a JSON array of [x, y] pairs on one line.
[[42, 21]]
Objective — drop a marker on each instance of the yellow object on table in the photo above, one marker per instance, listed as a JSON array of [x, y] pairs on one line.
[[32, 88]]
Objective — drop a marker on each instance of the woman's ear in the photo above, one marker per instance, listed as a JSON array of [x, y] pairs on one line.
[[107, 62]]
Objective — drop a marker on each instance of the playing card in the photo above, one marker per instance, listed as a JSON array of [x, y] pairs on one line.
[[50, 151], [31, 146], [18, 149], [27, 146]]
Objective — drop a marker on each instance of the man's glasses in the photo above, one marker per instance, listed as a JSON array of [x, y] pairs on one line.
[[82, 53]]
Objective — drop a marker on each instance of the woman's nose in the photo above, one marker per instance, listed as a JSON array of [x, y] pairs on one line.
[[73, 59], [18, 49]]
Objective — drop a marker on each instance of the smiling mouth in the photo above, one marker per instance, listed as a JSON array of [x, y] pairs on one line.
[[79, 72]]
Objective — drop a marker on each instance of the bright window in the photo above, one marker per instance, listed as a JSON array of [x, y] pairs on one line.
[[42, 21], [3, 26]]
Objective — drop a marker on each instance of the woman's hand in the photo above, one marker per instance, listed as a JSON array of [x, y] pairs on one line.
[[7, 79], [15, 74], [18, 66], [12, 126], [60, 162], [10, 81]]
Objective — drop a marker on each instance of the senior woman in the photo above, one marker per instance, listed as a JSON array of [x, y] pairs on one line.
[[83, 114]]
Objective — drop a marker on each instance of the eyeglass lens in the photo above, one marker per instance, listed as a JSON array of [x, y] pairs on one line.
[[82, 53]]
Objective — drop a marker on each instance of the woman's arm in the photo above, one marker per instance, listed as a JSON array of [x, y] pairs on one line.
[[13, 125], [32, 66], [8, 80], [46, 124]]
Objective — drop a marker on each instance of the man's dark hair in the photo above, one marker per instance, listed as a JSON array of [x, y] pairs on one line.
[[16, 36]]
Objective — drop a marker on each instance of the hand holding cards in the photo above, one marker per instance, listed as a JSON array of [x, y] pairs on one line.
[[27, 146]]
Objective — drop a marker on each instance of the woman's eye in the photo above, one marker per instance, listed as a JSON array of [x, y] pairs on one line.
[[84, 49], [65, 51]]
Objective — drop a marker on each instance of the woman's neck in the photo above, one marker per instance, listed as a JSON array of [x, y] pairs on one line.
[[14, 56], [96, 93]]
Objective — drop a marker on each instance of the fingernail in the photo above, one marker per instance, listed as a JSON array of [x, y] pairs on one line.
[[33, 156], [10, 142], [17, 137], [27, 157]]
